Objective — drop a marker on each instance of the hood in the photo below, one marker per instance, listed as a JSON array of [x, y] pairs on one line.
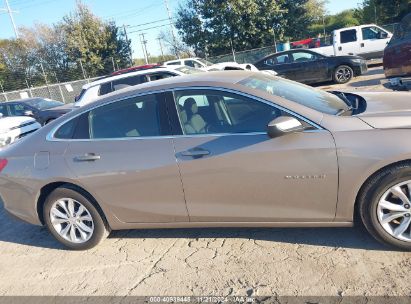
[[9, 123], [64, 108], [387, 110]]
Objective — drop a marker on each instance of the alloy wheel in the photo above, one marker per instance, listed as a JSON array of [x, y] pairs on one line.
[[71, 220], [394, 211], [343, 74]]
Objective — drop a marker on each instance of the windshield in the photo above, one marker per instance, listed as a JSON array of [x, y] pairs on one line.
[[44, 104], [206, 62], [307, 96], [189, 70]]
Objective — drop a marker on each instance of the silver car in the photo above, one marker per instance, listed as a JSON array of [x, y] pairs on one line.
[[219, 149]]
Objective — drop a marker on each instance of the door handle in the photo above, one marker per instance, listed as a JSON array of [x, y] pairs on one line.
[[340, 48], [87, 157], [362, 44], [196, 152]]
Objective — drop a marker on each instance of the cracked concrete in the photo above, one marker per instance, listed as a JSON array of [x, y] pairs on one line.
[[220, 262], [257, 262]]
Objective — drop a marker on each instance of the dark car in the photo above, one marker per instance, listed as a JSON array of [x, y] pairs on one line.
[[397, 56], [307, 66], [42, 109]]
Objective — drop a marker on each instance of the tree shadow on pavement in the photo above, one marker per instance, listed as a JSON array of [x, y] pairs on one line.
[[14, 231]]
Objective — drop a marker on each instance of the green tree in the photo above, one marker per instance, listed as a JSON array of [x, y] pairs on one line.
[[217, 26], [383, 11], [96, 43], [332, 22]]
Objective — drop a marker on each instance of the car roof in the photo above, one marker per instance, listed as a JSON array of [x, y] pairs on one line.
[[130, 74], [213, 79]]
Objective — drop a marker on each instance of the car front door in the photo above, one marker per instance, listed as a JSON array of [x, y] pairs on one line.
[[311, 67], [374, 41], [123, 153], [232, 171], [282, 64]]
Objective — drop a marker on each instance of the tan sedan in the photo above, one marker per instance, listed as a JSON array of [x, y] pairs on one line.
[[219, 149]]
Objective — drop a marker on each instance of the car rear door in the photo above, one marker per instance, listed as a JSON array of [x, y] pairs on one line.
[[123, 154], [347, 42], [233, 172], [282, 64]]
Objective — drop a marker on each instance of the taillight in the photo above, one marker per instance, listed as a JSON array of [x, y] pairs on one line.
[[3, 163]]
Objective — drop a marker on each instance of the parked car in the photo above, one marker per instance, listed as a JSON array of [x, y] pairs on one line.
[[397, 56], [307, 66], [367, 41], [232, 149], [92, 91], [205, 65], [14, 128], [42, 109]]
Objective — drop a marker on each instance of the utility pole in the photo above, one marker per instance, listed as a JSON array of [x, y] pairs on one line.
[[2, 89], [144, 46], [172, 28], [114, 66], [131, 53], [9, 11], [161, 47]]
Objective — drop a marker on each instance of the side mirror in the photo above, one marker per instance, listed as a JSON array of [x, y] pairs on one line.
[[382, 35], [282, 125], [28, 113]]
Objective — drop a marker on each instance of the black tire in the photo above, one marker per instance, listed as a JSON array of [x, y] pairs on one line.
[[370, 196], [101, 228], [343, 74]]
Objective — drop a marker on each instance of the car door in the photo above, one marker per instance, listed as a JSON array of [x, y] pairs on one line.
[[233, 172], [348, 43], [374, 41], [123, 153], [311, 67]]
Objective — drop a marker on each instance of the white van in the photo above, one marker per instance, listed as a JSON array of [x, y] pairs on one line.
[[367, 41]]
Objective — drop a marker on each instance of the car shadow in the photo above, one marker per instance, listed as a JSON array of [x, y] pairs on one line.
[[350, 238], [17, 232]]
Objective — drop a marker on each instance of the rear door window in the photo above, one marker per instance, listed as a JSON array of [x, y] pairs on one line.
[[348, 36]]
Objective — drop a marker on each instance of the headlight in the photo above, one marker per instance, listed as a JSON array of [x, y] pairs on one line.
[[5, 141], [358, 60]]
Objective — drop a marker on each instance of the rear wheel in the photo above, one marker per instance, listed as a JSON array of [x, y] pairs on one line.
[[343, 74], [73, 220], [385, 206]]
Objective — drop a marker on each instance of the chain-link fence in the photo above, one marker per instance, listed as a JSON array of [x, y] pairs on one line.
[[65, 92]]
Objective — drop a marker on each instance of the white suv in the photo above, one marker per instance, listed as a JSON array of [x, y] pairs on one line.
[[16, 127], [91, 91]]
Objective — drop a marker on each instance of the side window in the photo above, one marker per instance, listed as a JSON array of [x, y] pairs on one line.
[[189, 63], [18, 109], [134, 117], [209, 111], [372, 32], [174, 63], [348, 36], [303, 56], [66, 131], [3, 110], [127, 82], [281, 59], [105, 88], [158, 76]]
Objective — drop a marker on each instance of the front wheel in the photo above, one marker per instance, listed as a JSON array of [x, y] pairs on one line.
[[73, 220], [343, 74], [385, 206]]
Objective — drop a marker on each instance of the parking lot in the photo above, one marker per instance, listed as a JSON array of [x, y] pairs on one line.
[[257, 262]]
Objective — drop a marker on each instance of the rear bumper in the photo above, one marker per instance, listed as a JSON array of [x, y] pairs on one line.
[[398, 83], [19, 201]]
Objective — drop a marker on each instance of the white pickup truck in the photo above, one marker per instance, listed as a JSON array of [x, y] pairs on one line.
[[367, 41]]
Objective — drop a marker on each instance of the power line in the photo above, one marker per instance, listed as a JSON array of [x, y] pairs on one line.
[[11, 12], [149, 28], [147, 23]]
